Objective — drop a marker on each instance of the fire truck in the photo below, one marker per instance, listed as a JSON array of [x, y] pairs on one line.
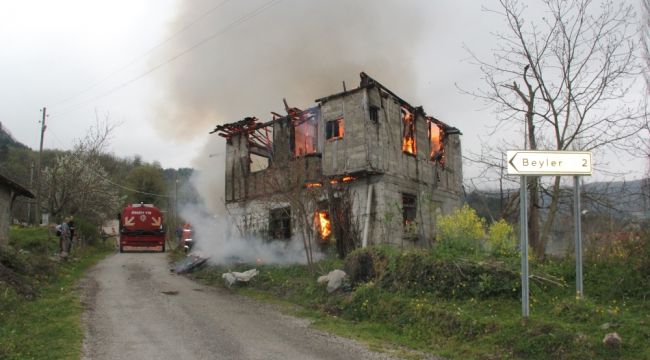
[[141, 228]]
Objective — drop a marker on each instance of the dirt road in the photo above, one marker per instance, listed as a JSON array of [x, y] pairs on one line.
[[137, 309]]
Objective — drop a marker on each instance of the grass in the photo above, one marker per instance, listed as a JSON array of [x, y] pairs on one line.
[[401, 310], [49, 325]]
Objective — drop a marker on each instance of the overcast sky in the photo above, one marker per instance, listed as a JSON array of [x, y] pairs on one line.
[[168, 71]]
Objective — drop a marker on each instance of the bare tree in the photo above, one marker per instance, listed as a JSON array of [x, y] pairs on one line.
[[565, 76]]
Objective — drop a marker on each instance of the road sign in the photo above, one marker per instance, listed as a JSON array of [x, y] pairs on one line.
[[529, 162]]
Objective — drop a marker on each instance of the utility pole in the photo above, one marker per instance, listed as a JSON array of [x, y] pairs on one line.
[[31, 185], [38, 169]]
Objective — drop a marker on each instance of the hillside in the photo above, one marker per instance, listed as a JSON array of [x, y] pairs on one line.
[[7, 140]]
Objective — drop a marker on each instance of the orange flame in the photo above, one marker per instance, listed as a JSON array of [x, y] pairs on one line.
[[313, 185], [323, 224], [408, 145], [408, 140], [348, 178]]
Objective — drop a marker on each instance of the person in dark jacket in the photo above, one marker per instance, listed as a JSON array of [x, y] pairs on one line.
[[72, 229]]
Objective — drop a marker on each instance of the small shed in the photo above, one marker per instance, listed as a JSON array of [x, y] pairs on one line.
[[9, 191]]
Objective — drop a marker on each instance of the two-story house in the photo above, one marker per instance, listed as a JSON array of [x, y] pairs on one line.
[[400, 166]]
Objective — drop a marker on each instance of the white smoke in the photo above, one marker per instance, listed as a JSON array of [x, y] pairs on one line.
[[298, 50], [215, 233]]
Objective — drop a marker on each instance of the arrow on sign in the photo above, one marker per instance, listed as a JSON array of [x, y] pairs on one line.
[[156, 221], [129, 221]]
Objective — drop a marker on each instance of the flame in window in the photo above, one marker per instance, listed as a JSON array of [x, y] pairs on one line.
[[313, 185], [436, 136], [305, 133], [408, 139], [344, 179], [323, 224]]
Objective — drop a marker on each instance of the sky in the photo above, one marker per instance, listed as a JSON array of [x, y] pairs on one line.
[[167, 71]]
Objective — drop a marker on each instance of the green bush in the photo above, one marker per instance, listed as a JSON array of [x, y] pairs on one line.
[[368, 264], [86, 231], [501, 239], [422, 272], [461, 232]]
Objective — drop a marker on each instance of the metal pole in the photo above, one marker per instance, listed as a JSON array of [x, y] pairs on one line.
[[578, 236], [523, 225]]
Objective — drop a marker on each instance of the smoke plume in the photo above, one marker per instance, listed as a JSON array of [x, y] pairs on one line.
[[298, 50]]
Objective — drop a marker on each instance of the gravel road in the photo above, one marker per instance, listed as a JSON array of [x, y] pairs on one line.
[[136, 309]]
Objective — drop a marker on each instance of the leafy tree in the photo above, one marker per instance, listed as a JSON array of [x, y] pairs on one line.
[[147, 184]]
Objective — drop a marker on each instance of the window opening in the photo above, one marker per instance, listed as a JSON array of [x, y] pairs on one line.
[[305, 132], [258, 163], [374, 113], [280, 223], [408, 136], [334, 129], [323, 224], [436, 142], [409, 207]]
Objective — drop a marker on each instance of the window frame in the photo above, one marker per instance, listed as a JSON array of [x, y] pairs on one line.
[[337, 124], [280, 223]]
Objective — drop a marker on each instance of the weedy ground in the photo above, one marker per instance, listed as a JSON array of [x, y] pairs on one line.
[[40, 308], [468, 307]]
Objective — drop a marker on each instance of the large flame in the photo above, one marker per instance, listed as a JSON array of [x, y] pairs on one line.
[[408, 145], [436, 144], [408, 139], [323, 224]]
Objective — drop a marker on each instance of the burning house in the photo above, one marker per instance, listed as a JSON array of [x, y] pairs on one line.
[[361, 166]]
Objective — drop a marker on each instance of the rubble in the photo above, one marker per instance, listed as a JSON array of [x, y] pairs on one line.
[[234, 277], [189, 264], [334, 280]]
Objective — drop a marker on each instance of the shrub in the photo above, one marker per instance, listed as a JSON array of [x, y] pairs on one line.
[[501, 239], [461, 232], [369, 264], [421, 272], [86, 231]]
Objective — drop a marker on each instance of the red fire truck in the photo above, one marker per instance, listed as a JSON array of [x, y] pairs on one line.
[[141, 228]]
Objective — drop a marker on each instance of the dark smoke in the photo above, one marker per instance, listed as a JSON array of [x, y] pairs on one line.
[[298, 49]]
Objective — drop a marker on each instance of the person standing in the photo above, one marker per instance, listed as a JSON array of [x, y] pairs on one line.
[[64, 241], [72, 229]]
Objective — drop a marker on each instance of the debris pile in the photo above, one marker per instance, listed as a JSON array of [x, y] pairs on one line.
[[234, 277], [189, 264]]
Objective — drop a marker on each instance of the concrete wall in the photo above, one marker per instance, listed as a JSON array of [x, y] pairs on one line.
[[371, 151], [5, 214]]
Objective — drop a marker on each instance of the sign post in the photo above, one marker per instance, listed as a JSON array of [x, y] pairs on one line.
[[548, 163], [523, 221], [578, 236]]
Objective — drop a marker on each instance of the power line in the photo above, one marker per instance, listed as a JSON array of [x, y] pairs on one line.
[[241, 20], [145, 54], [134, 190]]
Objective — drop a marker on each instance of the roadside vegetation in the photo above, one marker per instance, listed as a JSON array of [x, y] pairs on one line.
[[461, 299], [40, 306]]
